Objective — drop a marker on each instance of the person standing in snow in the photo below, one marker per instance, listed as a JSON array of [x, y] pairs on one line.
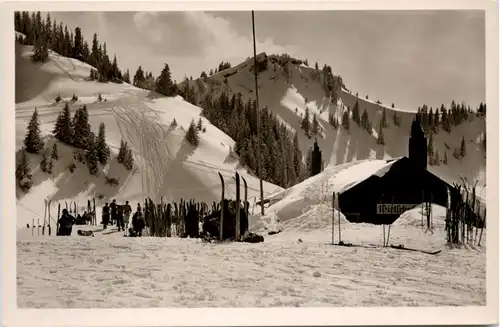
[[138, 222], [65, 224], [127, 210], [113, 211], [119, 217], [105, 216]]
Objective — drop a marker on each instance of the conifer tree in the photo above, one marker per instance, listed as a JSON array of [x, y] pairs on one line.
[[315, 124], [445, 121], [129, 159], [316, 66], [199, 126], [78, 45], [482, 109], [63, 130], [23, 169], [346, 121], [173, 124], [430, 120], [364, 120], [355, 113], [139, 78], [392, 105], [66, 43], [92, 159], [103, 152], [330, 119], [445, 159], [192, 134], [122, 152], [54, 155], [380, 138], [395, 119], [309, 162], [305, 124], [430, 146], [82, 129], [297, 156], [50, 166], [436, 120], [115, 72], [126, 77], [17, 21], [463, 151], [436, 158], [164, 82], [43, 163], [33, 140], [384, 118], [41, 52], [424, 119]]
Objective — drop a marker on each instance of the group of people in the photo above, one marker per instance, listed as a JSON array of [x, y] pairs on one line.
[[111, 214], [120, 215]]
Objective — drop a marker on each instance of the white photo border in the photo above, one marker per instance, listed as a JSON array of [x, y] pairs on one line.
[[12, 316]]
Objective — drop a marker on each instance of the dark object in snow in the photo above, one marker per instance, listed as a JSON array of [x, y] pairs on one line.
[[138, 224], [112, 181], [212, 222], [82, 219], [134, 233], [402, 247], [85, 233], [252, 238], [299, 240], [272, 232], [66, 223]]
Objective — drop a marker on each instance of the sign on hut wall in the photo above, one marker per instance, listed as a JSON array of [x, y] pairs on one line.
[[393, 208]]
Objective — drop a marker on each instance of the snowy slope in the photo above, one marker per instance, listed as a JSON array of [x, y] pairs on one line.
[[288, 95], [165, 165], [297, 267]]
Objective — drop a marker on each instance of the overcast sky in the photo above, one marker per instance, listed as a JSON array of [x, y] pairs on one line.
[[409, 58]]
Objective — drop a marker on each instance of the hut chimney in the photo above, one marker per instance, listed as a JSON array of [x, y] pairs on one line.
[[417, 146], [316, 159]]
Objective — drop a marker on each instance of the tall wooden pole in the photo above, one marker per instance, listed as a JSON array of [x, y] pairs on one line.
[[258, 118], [333, 218]]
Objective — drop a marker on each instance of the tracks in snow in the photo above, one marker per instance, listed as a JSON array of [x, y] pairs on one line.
[[148, 140]]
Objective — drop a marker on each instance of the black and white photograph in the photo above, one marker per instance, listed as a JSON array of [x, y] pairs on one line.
[[251, 158]]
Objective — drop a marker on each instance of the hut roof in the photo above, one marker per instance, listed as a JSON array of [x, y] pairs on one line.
[[346, 180], [349, 178]]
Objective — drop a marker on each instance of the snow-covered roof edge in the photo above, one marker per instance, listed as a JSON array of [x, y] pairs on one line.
[[378, 171]]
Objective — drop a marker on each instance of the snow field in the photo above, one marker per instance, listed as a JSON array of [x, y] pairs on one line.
[[112, 271]]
